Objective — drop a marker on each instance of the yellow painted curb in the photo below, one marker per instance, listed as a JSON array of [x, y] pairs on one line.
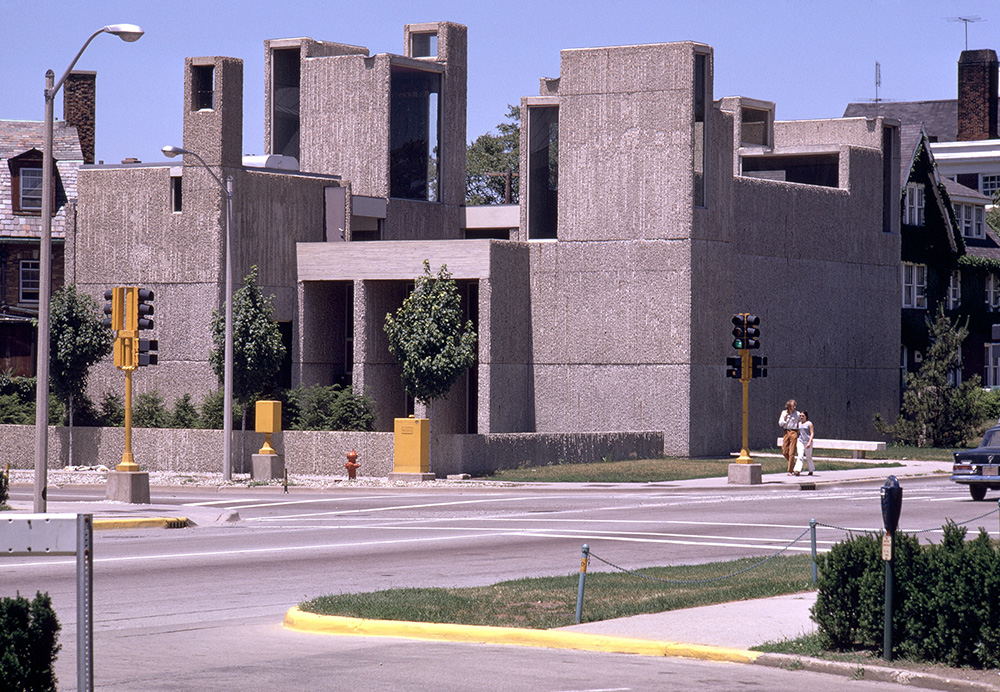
[[142, 523], [296, 619]]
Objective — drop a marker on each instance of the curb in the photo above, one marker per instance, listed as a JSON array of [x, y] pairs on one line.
[[141, 523], [301, 621], [860, 671]]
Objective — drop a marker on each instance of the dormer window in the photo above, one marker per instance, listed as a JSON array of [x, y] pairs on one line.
[[26, 183], [971, 218]]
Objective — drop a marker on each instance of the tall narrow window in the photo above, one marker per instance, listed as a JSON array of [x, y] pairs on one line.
[[176, 199], [286, 78], [889, 166], [543, 171], [202, 87], [31, 189], [349, 332], [700, 133], [954, 297], [992, 291], [414, 128], [914, 285], [30, 281], [914, 211], [991, 375]]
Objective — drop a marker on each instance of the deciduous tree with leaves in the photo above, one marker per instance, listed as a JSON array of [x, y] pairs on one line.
[[77, 340], [491, 159], [428, 339], [935, 412], [257, 347]]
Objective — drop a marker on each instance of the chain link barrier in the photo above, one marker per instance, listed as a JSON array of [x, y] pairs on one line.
[[699, 581], [647, 577]]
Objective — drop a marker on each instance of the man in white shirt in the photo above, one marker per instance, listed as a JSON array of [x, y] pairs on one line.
[[789, 423]]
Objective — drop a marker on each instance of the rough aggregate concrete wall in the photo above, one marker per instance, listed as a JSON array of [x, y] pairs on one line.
[[344, 120], [322, 452]]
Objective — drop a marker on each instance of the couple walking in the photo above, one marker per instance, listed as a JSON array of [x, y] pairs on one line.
[[797, 441]]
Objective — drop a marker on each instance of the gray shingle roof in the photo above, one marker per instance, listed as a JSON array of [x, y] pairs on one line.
[[19, 136]]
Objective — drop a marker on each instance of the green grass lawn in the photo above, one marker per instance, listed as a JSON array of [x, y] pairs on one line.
[[652, 470], [546, 602]]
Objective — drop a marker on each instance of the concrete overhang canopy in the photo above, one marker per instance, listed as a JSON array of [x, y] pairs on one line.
[[391, 260]]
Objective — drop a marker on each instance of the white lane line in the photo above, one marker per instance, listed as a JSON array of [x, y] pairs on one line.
[[317, 500], [330, 546], [394, 508]]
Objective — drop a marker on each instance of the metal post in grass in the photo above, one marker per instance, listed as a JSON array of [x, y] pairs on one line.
[[583, 578], [812, 534]]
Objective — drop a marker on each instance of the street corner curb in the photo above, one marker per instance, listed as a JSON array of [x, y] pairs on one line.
[[298, 620], [141, 523], [859, 671]]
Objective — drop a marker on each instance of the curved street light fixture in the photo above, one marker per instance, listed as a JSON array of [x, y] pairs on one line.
[[227, 378], [128, 33]]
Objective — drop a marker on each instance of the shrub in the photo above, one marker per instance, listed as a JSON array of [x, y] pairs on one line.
[[333, 408], [184, 415], [212, 408], [112, 410], [148, 411], [946, 596], [28, 643], [17, 399], [4, 490]]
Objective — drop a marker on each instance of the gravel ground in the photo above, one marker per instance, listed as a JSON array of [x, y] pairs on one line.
[[98, 475]]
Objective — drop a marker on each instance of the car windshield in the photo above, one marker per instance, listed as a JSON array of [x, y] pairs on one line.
[[991, 439]]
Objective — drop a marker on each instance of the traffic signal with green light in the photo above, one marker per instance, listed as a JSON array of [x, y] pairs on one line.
[[739, 331]]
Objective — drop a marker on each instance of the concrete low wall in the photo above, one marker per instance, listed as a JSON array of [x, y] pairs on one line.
[[318, 452]]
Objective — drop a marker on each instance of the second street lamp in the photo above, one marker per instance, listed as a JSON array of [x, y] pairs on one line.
[[227, 407]]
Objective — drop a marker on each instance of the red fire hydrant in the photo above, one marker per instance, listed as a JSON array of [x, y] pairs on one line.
[[352, 465]]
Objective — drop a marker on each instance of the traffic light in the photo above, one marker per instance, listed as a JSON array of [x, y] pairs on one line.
[[113, 309], [144, 309], [145, 355], [751, 332], [739, 331], [758, 366], [734, 367]]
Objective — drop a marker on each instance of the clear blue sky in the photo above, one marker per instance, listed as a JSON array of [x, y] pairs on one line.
[[811, 57]]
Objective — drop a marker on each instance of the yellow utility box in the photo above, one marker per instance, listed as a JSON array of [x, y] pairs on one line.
[[268, 416], [412, 446]]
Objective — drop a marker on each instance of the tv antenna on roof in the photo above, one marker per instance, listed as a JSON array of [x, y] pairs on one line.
[[966, 21]]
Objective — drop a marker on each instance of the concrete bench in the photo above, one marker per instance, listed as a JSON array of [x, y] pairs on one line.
[[857, 447]]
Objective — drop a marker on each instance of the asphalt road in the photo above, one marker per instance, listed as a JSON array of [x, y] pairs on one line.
[[201, 608]]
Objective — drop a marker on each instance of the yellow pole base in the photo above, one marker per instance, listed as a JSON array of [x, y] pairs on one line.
[[127, 463], [267, 448], [744, 457]]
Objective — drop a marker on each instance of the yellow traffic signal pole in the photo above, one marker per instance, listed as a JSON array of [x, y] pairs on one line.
[[127, 360], [744, 457]]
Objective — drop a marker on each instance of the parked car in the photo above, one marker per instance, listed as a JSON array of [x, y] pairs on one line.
[[979, 468]]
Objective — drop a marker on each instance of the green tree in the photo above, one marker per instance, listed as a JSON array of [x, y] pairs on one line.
[[257, 348], [77, 340], [936, 413], [491, 159], [427, 337]]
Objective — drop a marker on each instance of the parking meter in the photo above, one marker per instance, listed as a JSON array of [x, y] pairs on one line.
[[892, 503]]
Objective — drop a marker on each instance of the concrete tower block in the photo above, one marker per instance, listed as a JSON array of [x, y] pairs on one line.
[[213, 109]]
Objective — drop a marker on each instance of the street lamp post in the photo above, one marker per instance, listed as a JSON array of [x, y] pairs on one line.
[[227, 406], [128, 33]]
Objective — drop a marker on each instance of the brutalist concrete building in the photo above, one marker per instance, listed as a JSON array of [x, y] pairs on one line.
[[650, 213]]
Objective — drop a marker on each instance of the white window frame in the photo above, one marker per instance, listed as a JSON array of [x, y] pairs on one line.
[[914, 285], [31, 194], [989, 184], [971, 218], [992, 291], [29, 281], [953, 299], [913, 213], [991, 374]]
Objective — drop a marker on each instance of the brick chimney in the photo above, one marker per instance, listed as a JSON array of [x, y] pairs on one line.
[[79, 105], [977, 95]]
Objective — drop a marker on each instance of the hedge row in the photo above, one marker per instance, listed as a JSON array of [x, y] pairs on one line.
[[946, 598]]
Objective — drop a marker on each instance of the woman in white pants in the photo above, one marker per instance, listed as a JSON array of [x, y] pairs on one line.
[[804, 446]]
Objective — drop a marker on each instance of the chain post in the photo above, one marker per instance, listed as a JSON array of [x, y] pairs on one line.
[[812, 536], [583, 578]]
